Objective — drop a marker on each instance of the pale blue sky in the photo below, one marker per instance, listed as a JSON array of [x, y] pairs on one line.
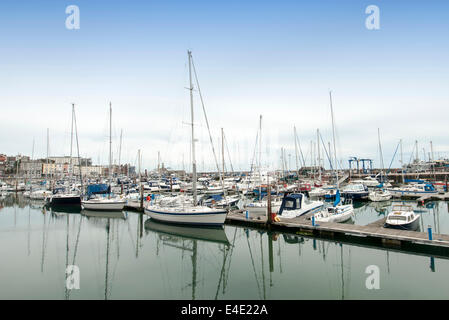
[[275, 58]]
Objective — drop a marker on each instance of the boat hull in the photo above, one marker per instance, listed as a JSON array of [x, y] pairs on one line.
[[413, 225], [68, 200], [198, 218], [103, 206]]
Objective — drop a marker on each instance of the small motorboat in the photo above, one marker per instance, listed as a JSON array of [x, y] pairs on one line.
[[337, 213], [380, 195], [297, 204], [402, 217]]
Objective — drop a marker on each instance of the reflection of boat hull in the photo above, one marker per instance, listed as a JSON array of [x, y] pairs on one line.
[[103, 214], [204, 234], [66, 208]]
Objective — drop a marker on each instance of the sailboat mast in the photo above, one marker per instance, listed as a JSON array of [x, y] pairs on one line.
[[71, 145], [318, 151], [110, 140], [260, 156], [333, 138], [380, 152], [222, 151], [193, 132]]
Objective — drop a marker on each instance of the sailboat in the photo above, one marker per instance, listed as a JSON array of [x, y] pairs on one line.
[[338, 212], [110, 202], [70, 197], [188, 213], [259, 207]]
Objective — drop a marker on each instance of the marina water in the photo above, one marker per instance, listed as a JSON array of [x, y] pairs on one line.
[[127, 256]]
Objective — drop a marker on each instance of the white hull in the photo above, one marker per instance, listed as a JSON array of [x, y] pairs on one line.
[[103, 204], [199, 215], [346, 213], [378, 196]]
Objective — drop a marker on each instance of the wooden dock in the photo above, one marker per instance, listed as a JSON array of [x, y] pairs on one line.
[[371, 235]]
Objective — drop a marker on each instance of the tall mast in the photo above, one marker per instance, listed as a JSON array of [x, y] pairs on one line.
[[431, 151], [120, 151], [318, 151], [416, 146], [71, 145], [189, 53], [48, 169], [32, 163], [110, 140], [380, 150], [402, 163], [333, 137], [260, 156], [222, 150], [296, 152]]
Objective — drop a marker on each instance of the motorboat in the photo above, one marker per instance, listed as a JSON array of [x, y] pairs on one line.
[[379, 195], [337, 213], [355, 191], [297, 204], [402, 217], [413, 190]]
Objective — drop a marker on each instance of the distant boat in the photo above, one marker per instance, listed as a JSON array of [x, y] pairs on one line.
[[402, 217], [355, 191], [111, 202], [297, 204], [414, 190]]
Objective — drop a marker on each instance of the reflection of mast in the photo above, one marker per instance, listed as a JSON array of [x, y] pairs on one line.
[[263, 271], [67, 256], [254, 268], [342, 278], [107, 260], [223, 275], [194, 256], [44, 240]]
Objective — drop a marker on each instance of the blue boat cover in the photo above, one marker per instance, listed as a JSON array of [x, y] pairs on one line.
[[98, 189], [337, 198]]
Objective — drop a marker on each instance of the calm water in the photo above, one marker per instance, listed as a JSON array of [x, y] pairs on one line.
[[127, 256]]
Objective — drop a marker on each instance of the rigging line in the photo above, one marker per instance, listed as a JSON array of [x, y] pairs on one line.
[[254, 268], [229, 155], [392, 159], [230, 257], [327, 154], [254, 157], [300, 150], [220, 174]]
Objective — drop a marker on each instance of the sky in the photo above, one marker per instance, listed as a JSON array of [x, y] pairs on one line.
[[278, 59]]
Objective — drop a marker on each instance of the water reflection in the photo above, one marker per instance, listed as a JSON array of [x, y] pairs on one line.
[[125, 255]]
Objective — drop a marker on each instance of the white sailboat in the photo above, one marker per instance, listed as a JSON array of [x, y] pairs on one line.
[[189, 213], [338, 212], [111, 202]]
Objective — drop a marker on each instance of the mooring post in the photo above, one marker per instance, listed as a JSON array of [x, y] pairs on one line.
[[429, 231], [269, 217], [313, 221], [246, 214], [141, 197]]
